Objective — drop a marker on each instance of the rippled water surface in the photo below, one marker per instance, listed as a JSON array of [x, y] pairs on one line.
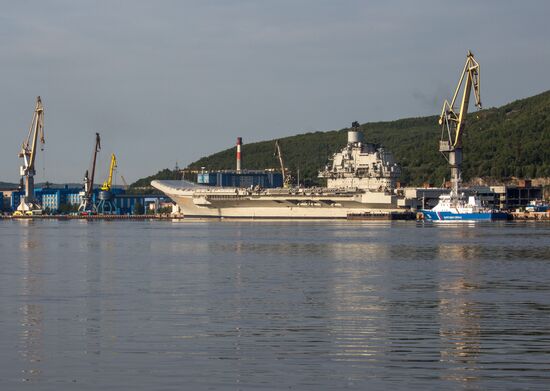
[[273, 305]]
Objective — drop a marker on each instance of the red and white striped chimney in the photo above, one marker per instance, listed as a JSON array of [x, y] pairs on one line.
[[239, 156]]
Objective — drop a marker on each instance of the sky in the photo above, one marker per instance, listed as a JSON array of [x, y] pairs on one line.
[[171, 81]]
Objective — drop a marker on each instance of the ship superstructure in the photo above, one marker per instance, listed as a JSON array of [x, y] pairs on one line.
[[361, 165], [361, 179]]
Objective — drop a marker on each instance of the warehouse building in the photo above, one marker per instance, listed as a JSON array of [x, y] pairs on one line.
[[242, 179]]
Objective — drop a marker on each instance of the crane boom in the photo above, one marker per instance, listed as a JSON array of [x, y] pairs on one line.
[[287, 177], [86, 204], [125, 183], [453, 123], [28, 154], [97, 148], [109, 181], [279, 155]]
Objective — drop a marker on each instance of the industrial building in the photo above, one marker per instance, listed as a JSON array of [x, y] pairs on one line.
[[505, 197], [127, 203], [240, 177], [516, 196], [52, 199], [49, 198], [243, 179]]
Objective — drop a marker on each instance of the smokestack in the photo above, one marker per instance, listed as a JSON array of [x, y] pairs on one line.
[[239, 157]]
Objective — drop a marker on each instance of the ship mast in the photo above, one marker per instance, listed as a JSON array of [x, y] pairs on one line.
[[453, 123]]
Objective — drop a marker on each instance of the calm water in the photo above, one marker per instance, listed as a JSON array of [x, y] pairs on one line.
[[274, 305]]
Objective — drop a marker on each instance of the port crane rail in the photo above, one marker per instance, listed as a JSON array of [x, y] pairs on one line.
[[87, 204], [453, 123], [28, 204]]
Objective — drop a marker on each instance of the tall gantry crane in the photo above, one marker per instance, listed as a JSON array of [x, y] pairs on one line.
[[28, 204], [453, 123], [87, 204], [105, 204]]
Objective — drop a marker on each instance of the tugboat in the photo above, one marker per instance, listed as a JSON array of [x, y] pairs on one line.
[[454, 206]]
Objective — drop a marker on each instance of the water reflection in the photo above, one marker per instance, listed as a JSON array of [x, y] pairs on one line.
[[460, 316], [151, 305], [358, 315], [32, 314]]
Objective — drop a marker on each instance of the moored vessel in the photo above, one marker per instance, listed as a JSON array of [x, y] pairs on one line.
[[458, 209], [361, 179]]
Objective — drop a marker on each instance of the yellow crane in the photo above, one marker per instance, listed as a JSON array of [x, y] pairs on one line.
[[453, 123], [29, 205], [109, 181], [106, 203]]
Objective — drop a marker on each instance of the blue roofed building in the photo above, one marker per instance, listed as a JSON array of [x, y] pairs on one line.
[[243, 179], [53, 200], [15, 199]]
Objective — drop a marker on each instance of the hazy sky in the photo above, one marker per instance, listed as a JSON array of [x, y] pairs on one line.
[[167, 81]]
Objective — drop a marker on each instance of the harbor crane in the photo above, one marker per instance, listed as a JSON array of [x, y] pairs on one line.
[[29, 205], [453, 123], [105, 204], [87, 205], [287, 178], [109, 181]]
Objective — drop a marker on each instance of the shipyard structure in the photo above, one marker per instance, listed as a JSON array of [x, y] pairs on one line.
[[361, 179], [65, 200]]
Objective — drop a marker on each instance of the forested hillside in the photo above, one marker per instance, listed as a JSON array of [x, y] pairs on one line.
[[513, 140]]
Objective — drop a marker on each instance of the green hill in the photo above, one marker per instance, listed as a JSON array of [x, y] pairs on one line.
[[143, 185], [513, 140]]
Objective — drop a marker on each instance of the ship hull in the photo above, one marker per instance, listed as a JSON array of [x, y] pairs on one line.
[[276, 204], [430, 215], [274, 209]]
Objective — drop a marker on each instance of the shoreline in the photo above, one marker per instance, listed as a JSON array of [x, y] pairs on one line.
[[515, 216]]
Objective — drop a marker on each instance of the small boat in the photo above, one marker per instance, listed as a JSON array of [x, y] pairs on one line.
[[452, 208]]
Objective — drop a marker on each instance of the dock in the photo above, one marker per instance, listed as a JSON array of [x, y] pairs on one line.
[[531, 216], [398, 216], [92, 217], [382, 216]]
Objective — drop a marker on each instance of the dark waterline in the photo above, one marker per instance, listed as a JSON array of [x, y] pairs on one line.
[[274, 305]]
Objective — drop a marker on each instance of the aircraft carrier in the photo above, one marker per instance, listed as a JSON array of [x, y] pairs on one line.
[[361, 180]]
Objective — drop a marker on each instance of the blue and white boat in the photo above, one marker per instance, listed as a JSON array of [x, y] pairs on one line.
[[452, 208]]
